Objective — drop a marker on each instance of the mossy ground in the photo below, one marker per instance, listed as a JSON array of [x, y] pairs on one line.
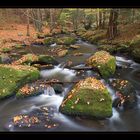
[[12, 77]]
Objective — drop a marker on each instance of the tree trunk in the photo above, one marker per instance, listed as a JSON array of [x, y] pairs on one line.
[[100, 19], [28, 23], [133, 15], [112, 25], [103, 19], [97, 21]]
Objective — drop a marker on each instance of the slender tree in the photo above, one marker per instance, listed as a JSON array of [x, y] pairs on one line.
[[112, 25]]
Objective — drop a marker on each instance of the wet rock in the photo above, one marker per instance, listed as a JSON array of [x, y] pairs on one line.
[[136, 54], [125, 93], [74, 46], [89, 97], [22, 52], [43, 67], [78, 54], [5, 59], [104, 62], [58, 88], [62, 53], [29, 90]]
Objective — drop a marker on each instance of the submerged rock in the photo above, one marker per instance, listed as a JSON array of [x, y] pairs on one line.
[[62, 53], [65, 40], [58, 88], [104, 62], [125, 93], [12, 77], [74, 46], [89, 97]]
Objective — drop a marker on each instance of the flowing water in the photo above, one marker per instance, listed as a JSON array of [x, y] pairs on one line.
[[122, 120]]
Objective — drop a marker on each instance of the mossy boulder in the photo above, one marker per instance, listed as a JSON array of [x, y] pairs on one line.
[[136, 54], [90, 98], [49, 40], [104, 62], [12, 77], [125, 92], [65, 40], [30, 59]]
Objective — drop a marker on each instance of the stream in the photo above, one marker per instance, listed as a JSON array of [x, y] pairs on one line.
[[122, 120]]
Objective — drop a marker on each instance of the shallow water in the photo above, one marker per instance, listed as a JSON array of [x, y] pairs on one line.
[[122, 120]]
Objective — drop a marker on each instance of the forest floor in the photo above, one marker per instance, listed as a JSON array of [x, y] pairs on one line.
[[13, 32]]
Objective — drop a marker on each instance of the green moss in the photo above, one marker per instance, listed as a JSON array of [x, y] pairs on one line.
[[6, 50], [47, 59], [97, 37], [66, 40], [107, 69], [18, 46], [135, 41], [92, 102], [104, 62], [12, 77], [49, 40], [136, 54]]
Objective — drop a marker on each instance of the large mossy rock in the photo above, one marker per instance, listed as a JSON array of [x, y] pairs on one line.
[[104, 62], [65, 40], [89, 98], [125, 92], [12, 77]]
